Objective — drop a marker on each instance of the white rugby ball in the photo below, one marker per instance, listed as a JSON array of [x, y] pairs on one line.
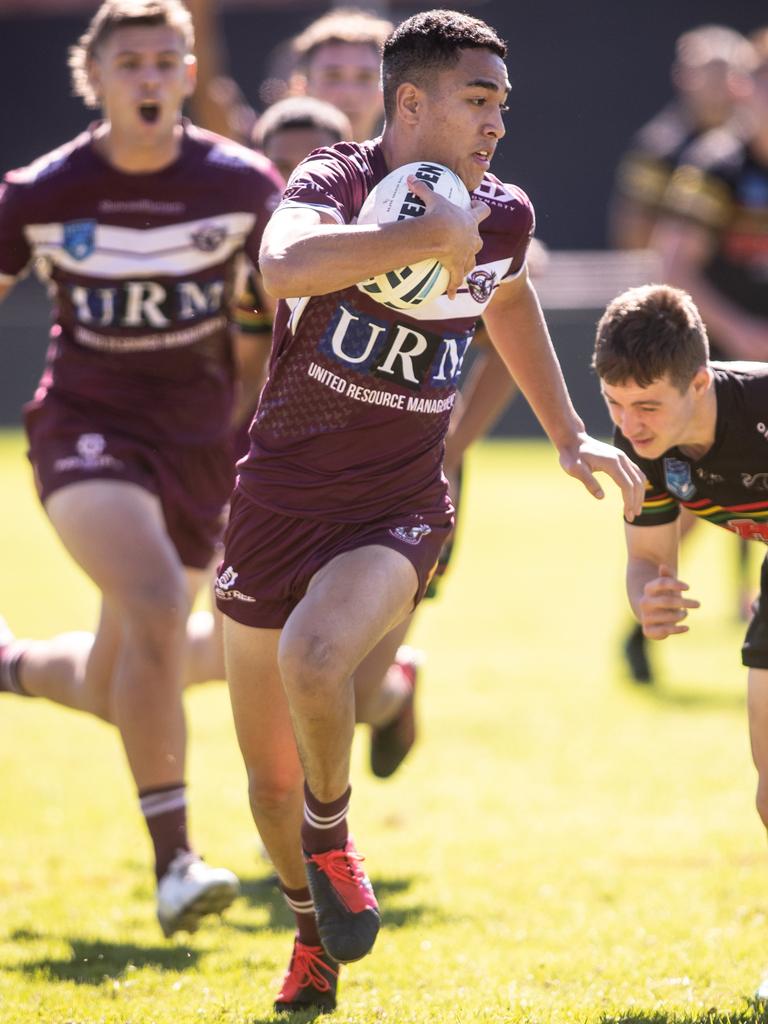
[[392, 200]]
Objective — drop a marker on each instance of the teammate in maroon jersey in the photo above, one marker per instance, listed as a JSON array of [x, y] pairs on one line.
[[140, 222], [697, 429], [341, 506]]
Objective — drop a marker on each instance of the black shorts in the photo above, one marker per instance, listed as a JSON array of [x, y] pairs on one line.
[[754, 652]]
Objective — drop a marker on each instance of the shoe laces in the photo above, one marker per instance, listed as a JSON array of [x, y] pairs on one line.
[[341, 865], [308, 968]]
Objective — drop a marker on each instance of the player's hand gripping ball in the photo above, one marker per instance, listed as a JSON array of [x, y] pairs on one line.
[[392, 200]]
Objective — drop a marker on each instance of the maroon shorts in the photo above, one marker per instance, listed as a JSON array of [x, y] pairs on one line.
[[192, 482], [270, 558]]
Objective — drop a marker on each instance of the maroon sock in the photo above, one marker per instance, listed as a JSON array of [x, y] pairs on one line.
[[325, 825], [300, 902], [165, 811], [10, 668]]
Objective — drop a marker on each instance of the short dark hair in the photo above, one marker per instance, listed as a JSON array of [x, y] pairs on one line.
[[650, 332], [349, 25], [431, 42], [115, 14], [298, 112]]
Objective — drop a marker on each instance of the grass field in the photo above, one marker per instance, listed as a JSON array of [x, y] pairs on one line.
[[561, 847]]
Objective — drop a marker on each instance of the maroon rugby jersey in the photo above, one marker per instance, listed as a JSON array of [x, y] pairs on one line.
[[141, 268], [351, 423]]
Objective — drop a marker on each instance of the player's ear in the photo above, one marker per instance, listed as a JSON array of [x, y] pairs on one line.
[[408, 102], [701, 379]]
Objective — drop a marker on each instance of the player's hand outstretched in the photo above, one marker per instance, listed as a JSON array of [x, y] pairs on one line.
[[458, 229], [592, 456], [663, 606]]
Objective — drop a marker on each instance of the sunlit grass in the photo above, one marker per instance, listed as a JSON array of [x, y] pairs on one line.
[[561, 847]]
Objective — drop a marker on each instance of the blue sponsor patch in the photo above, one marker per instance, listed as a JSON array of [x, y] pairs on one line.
[[677, 476], [80, 238]]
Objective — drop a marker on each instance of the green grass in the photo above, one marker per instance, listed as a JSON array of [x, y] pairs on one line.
[[561, 847]]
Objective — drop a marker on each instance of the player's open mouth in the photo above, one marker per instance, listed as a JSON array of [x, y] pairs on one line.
[[149, 112], [483, 156]]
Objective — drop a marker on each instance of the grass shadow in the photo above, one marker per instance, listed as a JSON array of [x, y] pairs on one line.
[[91, 963], [753, 1013], [264, 892]]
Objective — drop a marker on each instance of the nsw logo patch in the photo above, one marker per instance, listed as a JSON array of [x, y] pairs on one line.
[[678, 478], [80, 238]]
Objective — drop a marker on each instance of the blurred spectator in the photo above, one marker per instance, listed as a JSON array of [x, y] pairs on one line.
[[338, 58], [291, 128], [713, 236], [710, 75]]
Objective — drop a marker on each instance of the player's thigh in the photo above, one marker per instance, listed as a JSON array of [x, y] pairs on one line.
[[372, 670], [259, 705], [350, 604], [116, 532]]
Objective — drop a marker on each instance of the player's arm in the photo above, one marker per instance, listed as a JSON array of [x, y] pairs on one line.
[[488, 390], [685, 249], [655, 593], [306, 252], [517, 329], [251, 343], [5, 287]]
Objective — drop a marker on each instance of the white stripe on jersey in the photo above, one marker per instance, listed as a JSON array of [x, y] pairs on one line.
[[169, 251], [290, 204], [464, 306]]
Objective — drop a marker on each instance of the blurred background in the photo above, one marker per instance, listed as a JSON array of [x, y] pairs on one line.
[[585, 77]]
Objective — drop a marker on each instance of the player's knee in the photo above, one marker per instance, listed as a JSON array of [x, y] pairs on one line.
[[761, 800], [310, 665], [276, 794], [159, 603]]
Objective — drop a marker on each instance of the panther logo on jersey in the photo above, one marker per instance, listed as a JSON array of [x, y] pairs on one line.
[[755, 481]]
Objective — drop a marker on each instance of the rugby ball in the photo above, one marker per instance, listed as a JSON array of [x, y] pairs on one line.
[[392, 200]]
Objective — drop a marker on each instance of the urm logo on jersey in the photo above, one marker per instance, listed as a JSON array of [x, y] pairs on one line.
[[145, 303], [394, 351]]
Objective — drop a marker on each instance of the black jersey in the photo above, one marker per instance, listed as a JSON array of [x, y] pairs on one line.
[[729, 484], [653, 154], [721, 184]]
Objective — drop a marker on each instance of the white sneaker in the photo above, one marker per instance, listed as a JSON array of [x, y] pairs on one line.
[[189, 890], [761, 996]]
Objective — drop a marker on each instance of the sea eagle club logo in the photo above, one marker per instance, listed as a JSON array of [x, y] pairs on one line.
[[394, 351]]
